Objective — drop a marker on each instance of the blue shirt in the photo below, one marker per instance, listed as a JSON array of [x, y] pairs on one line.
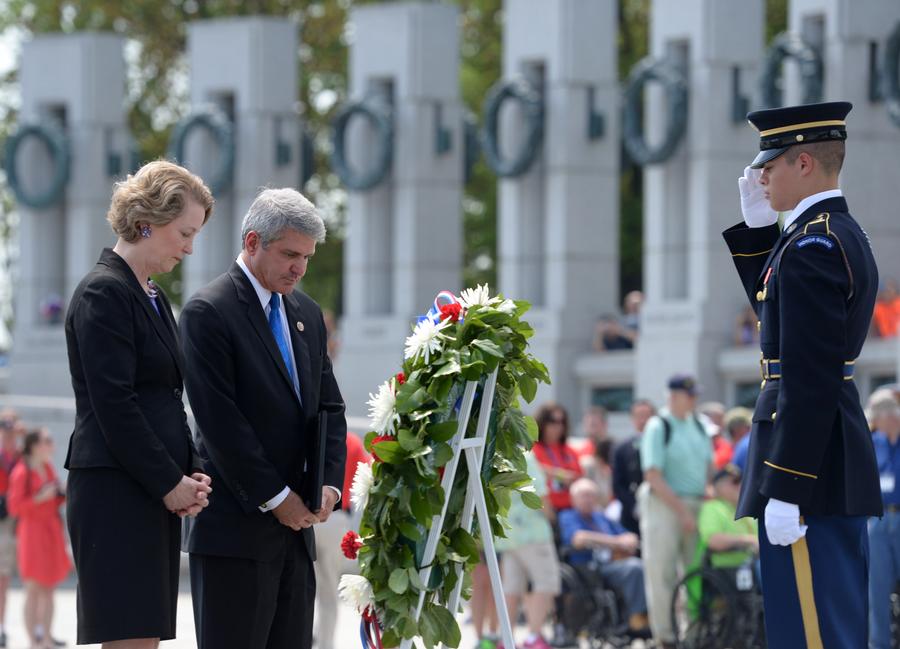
[[888, 459], [571, 521], [739, 459]]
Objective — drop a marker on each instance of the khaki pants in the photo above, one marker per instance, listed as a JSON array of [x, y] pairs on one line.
[[667, 550], [330, 565]]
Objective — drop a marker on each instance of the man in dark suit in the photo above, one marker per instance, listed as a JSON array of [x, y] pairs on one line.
[[258, 377], [811, 476]]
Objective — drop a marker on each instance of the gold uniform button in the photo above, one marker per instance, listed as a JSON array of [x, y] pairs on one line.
[[759, 296]]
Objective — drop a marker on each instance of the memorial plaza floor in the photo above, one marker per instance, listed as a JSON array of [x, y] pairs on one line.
[[346, 632]]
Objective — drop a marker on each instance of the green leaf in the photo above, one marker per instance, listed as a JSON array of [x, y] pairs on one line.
[[531, 499], [442, 454], [410, 629], [389, 451], [410, 397], [511, 479], [390, 638], [448, 369], [532, 427], [462, 542], [409, 530], [415, 580], [473, 371], [442, 432], [488, 347], [441, 625], [528, 387], [440, 388], [399, 580], [425, 450], [408, 441], [419, 506]]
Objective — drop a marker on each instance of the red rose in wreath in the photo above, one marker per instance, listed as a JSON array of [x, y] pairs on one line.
[[350, 544], [401, 378]]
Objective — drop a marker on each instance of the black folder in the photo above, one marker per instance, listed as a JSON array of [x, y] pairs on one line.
[[314, 479]]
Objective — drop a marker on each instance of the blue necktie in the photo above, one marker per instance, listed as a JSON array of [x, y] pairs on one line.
[[281, 338]]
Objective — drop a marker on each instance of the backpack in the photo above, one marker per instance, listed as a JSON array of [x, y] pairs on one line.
[[667, 428]]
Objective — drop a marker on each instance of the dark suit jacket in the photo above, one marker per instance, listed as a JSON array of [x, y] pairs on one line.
[[813, 288], [253, 434], [126, 369]]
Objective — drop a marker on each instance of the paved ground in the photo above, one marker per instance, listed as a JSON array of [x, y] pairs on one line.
[[346, 635]]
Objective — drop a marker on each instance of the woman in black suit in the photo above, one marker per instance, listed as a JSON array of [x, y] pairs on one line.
[[132, 463]]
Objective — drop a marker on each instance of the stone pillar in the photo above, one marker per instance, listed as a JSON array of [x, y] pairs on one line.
[[851, 37], [404, 236], [247, 68], [78, 82], [692, 293], [558, 224]]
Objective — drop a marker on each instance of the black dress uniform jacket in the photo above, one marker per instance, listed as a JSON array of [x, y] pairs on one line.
[[253, 433], [813, 289]]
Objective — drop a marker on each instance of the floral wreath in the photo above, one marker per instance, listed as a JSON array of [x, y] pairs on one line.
[[413, 416]]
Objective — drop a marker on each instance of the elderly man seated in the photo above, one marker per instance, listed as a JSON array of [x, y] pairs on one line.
[[597, 542]]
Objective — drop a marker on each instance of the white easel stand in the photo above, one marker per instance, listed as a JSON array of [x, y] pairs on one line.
[[474, 449]]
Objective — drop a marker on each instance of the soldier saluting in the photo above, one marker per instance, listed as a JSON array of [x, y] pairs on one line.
[[811, 477]]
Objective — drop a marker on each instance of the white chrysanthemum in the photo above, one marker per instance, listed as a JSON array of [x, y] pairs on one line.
[[357, 592], [362, 484], [478, 296], [381, 409], [425, 339], [508, 307]]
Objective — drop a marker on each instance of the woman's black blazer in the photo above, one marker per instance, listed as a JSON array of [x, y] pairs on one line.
[[126, 370]]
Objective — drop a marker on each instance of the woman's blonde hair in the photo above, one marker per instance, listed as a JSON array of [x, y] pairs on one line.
[[155, 195]]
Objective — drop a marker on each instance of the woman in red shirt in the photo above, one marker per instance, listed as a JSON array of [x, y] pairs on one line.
[[554, 454], [35, 496]]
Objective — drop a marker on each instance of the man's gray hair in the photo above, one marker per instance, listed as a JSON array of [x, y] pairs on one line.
[[275, 210]]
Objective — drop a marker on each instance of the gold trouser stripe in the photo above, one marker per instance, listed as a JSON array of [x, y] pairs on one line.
[[803, 574], [752, 254], [802, 125], [800, 473]]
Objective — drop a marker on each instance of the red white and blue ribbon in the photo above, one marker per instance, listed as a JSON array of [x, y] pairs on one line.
[[434, 314], [370, 630]]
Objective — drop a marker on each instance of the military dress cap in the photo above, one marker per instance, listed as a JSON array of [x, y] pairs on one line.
[[780, 128]]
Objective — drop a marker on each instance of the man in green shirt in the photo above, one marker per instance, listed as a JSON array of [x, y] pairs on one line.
[[676, 455], [729, 542]]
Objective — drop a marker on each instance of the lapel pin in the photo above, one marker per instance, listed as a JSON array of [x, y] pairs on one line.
[[300, 326]]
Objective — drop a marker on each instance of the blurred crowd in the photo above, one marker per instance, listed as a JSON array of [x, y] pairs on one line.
[[32, 542]]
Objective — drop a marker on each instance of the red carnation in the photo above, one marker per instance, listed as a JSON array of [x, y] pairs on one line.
[[451, 311], [376, 440], [401, 378], [350, 544]]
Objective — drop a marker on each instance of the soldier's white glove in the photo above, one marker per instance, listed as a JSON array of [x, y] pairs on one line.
[[783, 522], [754, 204]]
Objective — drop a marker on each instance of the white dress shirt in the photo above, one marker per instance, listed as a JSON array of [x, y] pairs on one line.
[[808, 202], [265, 295]]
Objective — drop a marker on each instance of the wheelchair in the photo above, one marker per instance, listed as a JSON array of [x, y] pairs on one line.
[[719, 608], [589, 610]]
